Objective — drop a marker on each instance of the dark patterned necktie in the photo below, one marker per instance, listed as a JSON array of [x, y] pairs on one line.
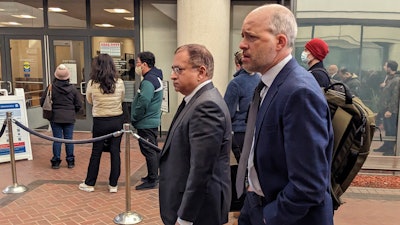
[[180, 108], [248, 139]]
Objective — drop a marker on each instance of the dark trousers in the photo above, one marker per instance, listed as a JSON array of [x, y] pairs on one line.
[[252, 211], [151, 155], [103, 126], [237, 144], [390, 125]]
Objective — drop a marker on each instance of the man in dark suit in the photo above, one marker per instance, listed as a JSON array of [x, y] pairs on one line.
[[194, 181], [289, 155]]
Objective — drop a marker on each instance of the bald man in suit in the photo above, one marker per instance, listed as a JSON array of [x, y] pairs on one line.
[[289, 156], [194, 164]]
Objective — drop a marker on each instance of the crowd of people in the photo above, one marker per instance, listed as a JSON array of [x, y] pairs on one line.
[[261, 118]]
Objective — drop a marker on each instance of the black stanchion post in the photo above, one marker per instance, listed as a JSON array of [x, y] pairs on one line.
[[127, 217], [15, 188]]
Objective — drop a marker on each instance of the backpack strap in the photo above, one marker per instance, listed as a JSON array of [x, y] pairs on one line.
[[324, 71]]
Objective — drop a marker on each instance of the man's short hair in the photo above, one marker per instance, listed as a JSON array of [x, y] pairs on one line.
[[392, 65], [148, 58], [199, 56]]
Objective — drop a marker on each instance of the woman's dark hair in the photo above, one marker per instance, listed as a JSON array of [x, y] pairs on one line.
[[104, 73]]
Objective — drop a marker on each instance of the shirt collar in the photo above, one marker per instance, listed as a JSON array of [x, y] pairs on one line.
[[269, 77], [187, 98]]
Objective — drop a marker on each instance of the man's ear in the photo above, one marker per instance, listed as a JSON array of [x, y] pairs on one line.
[[202, 73], [281, 41]]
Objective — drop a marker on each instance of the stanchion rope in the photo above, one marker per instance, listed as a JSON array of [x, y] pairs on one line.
[[68, 141], [3, 128], [140, 139]]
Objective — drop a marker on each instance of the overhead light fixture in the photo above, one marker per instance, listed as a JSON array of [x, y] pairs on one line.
[[23, 16], [104, 25], [129, 18], [11, 23], [117, 10], [1, 10], [56, 9]]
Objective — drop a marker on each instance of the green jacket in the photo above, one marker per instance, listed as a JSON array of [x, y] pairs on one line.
[[146, 107]]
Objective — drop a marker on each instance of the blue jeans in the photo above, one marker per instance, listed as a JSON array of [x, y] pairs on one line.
[[65, 131]]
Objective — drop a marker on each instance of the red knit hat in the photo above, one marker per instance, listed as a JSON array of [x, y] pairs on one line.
[[318, 48]]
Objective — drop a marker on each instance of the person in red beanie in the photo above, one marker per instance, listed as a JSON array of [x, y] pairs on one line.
[[313, 55]]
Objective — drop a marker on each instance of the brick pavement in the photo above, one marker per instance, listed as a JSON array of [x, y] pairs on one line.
[[53, 196]]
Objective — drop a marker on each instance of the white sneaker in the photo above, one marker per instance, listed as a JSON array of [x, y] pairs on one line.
[[113, 189], [85, 187]]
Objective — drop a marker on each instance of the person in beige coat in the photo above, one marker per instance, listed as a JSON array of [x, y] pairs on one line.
[[105, 92]]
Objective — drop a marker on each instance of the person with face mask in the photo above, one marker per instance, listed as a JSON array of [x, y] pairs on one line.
[[146, 114], [314, 52]]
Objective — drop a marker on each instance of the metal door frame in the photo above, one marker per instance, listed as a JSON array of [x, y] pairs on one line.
[[6, 57], [85, 124]]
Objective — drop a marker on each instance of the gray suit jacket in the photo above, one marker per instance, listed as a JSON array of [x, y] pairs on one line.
[[194, 164]]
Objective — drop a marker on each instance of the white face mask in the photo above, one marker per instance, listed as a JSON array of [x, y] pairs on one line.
[[304, 57], [138, 70]]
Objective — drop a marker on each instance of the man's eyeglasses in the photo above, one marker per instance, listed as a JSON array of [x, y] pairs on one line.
[[178, 70]]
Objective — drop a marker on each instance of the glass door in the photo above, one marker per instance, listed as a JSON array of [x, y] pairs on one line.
[[74, 53], [23, 68], [3, 86]]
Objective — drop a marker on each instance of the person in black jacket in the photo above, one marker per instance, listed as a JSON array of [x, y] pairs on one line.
[[314, 52], [66, 102]]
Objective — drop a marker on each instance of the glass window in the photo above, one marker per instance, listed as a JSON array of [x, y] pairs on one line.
[[362, 43], [120, 49], [67, 14], [112, 14], [21, 13], [239, 10], [27, 69]]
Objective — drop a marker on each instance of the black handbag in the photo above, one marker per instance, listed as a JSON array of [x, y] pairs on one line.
[[106, 145]]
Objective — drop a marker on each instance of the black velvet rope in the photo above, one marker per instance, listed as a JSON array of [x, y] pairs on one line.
[[68, 141], [146, 142], [3, 128]]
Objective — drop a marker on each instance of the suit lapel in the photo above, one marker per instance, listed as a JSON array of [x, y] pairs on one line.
[[178, 120], [271, 93]]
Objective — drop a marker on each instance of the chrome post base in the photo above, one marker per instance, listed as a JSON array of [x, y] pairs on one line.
[[15, 189], [128, 218]]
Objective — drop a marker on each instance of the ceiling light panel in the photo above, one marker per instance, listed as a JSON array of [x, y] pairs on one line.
[[117, 10]]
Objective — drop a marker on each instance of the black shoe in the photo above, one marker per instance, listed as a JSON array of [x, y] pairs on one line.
[[55, 164], [144, 179], [146, 185], [147, 179], [71, 164]]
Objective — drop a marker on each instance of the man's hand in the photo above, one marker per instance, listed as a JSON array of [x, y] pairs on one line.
[[388, 114]]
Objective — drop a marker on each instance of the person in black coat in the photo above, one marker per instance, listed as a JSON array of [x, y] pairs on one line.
[[66, 102]]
